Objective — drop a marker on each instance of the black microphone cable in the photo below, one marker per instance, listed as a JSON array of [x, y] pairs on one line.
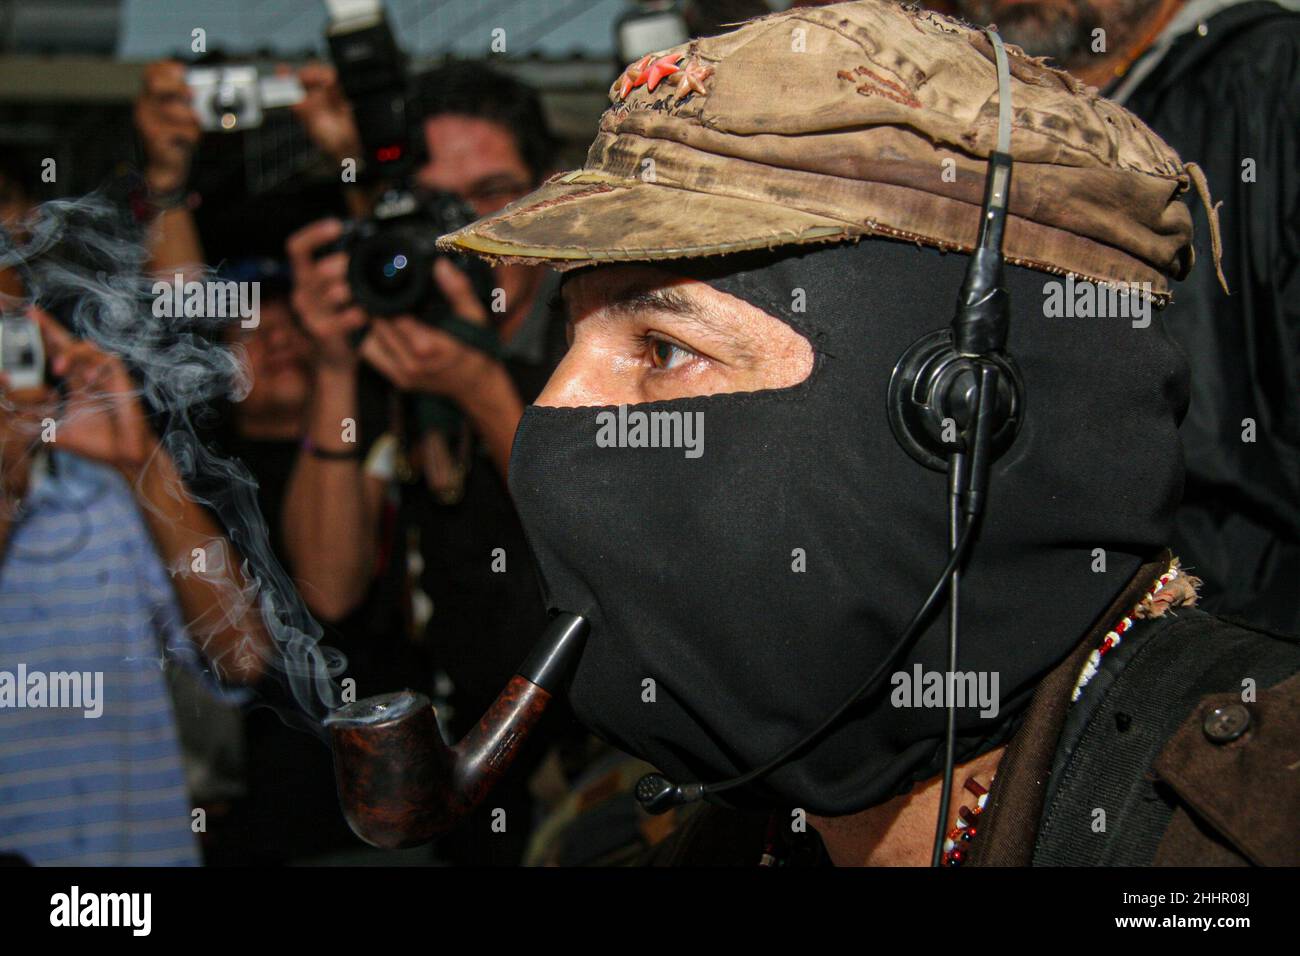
[[658, 795], [958, 524], [972, 327]]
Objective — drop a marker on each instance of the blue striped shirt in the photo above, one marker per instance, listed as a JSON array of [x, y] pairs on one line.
[[83, 589]]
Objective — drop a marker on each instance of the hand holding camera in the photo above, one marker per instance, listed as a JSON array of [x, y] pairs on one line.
[[418, 357], [412, 354], [321, 295], [392, 270], [99, 416], [326, 114]]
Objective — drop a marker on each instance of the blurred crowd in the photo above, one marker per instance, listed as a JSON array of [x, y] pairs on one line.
[[391, 515]]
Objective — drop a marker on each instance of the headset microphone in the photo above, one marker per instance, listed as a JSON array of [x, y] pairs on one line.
[[955, 403], [955, 390], [657, 794]]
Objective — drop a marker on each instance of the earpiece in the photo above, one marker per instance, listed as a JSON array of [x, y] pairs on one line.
[[932, 400]]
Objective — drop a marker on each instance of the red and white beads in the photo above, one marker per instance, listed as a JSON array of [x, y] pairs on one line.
[[954, 845], [1116, 634], [1163, 595]]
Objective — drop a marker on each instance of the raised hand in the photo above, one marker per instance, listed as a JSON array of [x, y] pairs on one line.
[[417, 357], [102, 418], [321, 296], [326, 114]]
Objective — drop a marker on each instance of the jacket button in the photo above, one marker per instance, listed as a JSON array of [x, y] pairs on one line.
[[1225, 724]]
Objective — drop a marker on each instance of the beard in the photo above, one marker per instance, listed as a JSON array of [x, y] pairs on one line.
[[1062, 31]]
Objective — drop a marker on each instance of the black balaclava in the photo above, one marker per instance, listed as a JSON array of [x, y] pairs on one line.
[[686, 567]]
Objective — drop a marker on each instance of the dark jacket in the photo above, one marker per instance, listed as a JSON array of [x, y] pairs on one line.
[[1222, 86], [1187, 772]]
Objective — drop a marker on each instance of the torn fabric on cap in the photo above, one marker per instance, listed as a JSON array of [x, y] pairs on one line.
[[847, 121]]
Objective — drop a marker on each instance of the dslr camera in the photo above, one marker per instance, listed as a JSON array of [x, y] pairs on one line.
[[391, 254]]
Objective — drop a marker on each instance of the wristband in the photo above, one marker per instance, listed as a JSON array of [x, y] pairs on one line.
[[325, 454], [147, 206]]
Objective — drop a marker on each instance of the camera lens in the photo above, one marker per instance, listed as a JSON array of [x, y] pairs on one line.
[[388, 275], [391, 255], [229, 103]]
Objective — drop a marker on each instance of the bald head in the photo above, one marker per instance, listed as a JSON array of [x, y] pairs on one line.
[[1063, 29]]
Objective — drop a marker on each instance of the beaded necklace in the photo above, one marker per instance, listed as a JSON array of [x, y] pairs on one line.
[[1174, 588], [1162, 595], [1171, 589], [954, 845]]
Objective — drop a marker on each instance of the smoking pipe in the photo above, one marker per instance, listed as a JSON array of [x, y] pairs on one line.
[[400, 785]]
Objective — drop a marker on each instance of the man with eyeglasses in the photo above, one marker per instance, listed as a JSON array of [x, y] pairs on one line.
[[488, 144]]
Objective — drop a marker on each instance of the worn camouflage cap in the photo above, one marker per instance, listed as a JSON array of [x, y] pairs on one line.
[[857, 119]]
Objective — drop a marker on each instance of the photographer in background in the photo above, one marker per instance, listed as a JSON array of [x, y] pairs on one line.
[[92, 515], [488, 143], [267, 787]]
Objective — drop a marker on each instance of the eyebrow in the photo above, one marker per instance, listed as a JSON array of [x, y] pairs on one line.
[[634, 300]]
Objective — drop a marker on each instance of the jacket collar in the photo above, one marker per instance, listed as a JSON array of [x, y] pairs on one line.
[[1009, 823]]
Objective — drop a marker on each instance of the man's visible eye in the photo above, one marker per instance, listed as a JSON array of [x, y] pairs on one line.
[[664, 355]]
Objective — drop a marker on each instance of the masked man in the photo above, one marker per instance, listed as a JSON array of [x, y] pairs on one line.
[[766, 221]]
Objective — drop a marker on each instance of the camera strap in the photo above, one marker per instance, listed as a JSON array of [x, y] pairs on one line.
[[482, 337]]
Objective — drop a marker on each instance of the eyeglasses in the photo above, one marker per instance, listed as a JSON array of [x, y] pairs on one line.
[[495, 195]]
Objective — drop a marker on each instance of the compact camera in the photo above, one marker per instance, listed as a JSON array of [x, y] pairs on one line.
[[229, 99], [22, 354]]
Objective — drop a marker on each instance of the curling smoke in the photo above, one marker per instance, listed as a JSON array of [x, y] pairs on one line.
[[79, 259]]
